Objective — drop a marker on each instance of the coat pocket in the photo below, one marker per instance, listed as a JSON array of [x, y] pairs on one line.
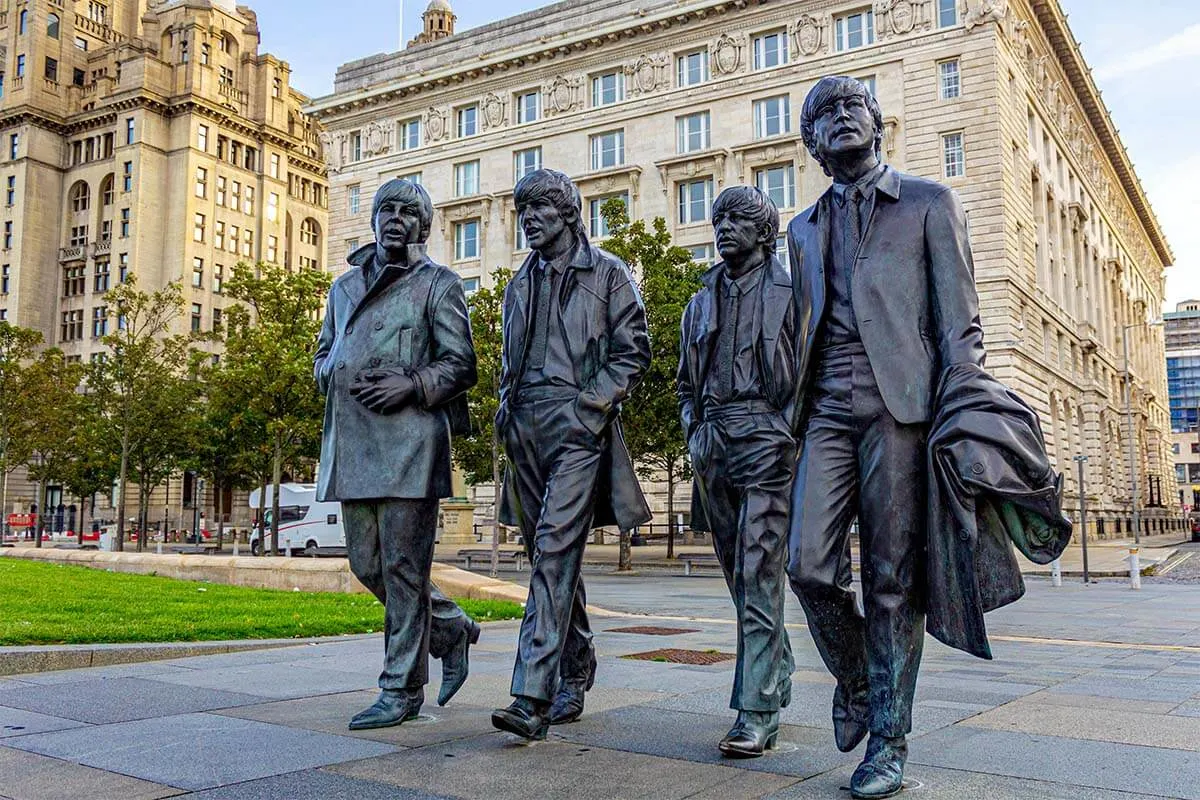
[[406, 347]]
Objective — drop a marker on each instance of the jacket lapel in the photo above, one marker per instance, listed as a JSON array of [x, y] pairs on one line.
[[706, 332], [517, 315], [816, 252]]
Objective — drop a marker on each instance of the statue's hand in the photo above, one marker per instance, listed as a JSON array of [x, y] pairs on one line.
[[383, 391]]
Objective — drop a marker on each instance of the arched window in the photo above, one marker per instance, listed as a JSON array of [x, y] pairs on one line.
[[81, 197], [21, 21], [51, 26], [310, 232], [106, 191]]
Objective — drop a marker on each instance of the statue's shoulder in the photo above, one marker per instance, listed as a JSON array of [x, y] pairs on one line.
[[917, 189]]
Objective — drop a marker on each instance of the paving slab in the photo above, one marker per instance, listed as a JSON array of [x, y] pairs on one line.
[[498, 766], [18, 722], [315, 784], [1097, 765], [101, 700], [28, 776], [270, 680], [150, 669], [1096, 724], [1162, 690], [198, 751]]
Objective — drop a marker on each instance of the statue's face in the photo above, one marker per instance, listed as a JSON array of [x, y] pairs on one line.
[[843, 126], [542, 222], [737, 236], [397, 224]]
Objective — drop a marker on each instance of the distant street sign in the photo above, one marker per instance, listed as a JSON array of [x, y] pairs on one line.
[[22, 520]]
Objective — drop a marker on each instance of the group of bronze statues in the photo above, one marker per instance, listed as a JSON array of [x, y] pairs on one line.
[[851, 387]]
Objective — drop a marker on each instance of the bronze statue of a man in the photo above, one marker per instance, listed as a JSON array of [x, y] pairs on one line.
[[394, 359], [737, 399], [883, 279], [575, 346]]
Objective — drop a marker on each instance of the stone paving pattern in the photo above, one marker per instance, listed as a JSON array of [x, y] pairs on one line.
[[1094, 693]]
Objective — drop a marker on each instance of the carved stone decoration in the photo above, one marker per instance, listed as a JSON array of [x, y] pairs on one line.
[[562, 95], [332, 145], [727, 55], [903, 17], [493, 111], [980, 12], [647, 74], [890, 124], [376, 139], [436, 126], [809, 34]]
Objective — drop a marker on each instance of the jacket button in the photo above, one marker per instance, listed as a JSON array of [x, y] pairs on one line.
[[965, 535], [378, 325], [374, 362], [977, 468], [349, 329], [341, 365]]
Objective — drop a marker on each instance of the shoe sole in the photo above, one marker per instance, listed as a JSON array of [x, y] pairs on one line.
[[389, 724], [733, 752], [858, 796], [505, 724]]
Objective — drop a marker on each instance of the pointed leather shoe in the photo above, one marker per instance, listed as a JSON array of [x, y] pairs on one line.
[[525, 717], [455, 663], [881, 774], [393, 707], [568, 702], [752, 734], [850, 711]]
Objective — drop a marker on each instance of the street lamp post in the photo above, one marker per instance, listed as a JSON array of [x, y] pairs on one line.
[[1082, 516], [1134, 567]]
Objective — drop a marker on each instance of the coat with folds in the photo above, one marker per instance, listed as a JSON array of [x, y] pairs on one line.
[[990, 486], [415, 319], [774, 352], [603, 322]]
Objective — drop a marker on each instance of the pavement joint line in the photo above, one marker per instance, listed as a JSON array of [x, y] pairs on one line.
[[1170, 565], [1176, 648]]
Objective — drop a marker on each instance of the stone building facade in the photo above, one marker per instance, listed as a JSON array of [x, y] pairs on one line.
[[1182, 329], [665, 103], [151, 138]]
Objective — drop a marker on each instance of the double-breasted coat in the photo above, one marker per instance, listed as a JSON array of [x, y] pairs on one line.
[[414, 318], [601, 312]]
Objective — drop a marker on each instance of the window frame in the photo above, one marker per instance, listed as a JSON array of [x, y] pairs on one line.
[[842, 33]]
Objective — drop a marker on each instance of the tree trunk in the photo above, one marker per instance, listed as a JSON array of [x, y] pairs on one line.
[[4, 505], [219, 511], [276, 475], [82, 523], [624, 552], [143, 501], [670, 511], [263, 482], [122, 479], [495, 503], [40, 519]]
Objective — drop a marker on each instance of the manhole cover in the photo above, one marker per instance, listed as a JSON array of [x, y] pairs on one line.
[[673, 655], [651, 630]]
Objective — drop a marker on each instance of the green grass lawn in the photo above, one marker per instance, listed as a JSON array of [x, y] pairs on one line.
[[54, 604]]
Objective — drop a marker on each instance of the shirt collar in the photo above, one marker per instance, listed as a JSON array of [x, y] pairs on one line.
[[866, 184], [745, 283]]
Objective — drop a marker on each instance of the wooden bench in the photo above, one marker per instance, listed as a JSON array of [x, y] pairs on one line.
[[516, 557], [698, 558]]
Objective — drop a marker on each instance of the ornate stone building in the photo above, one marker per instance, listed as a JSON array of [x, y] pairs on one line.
[[147, 138], [665, 103]]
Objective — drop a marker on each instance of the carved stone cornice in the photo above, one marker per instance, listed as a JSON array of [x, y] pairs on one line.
[[691, 165], [610, 181], [463, 208], [762, 152]]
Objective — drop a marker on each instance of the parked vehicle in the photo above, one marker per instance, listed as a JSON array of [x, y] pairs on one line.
[[311, 527]]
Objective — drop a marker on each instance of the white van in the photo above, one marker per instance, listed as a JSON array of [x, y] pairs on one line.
[[308, 526]]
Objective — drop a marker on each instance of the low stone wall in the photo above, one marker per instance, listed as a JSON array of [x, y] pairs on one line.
[[289, 574]]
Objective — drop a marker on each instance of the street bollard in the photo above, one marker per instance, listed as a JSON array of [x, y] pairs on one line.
[[1135, 569], [1055, 573], [158, 548], [287, 547], [235, 546]]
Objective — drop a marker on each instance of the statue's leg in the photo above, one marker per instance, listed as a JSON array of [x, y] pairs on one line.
[[448, 622], [361, 521], [406, 548]]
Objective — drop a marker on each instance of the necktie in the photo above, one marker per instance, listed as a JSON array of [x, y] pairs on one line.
[[854, 226], [725, 345], [541, 320]]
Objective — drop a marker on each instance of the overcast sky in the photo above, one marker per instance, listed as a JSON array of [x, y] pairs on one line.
[[1141, 61]]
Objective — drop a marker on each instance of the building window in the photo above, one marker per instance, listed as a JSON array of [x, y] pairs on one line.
[[248, 200], [466, 179], [183, 51], [272, 249], [701, 253], [202, 137], [526, 161], [81, 197], [351, 246], [778, 183], [781, 252], [598, 227], [99, 321], [309, 232], [81, 43], [953, 160], [74, 280], [52, 23], [124, 223], [608, 149], [129, 130], [71, 328], [691, 68], [353, 198], [276, 88], [947, 11], [772, 116], [608, 88], [225, 77], [470, 286], [52, 69], [22, 22], [14, 143], [4, 274], [692, 132], [216, 319], [248, 243], [272, 207], [948, 80], [770, 50], [122, 267], [528, 107], [197, 315], [356, 146], [221, 184], [869, 82], [127, 176], [8, 226], [20, 66], [232, 239], [197, 273], [519, 242], [695, 200], [218, 278], [79, 235], [854, 30], [466, 240], [205, 54], [468, 121], [201, 182], [274, 168], [98, 12], [10, 190], [198, 228], [219, 235], [412, 177], [410, 134]]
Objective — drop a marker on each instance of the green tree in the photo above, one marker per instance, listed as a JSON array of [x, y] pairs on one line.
[[17, 348], [141, 361], [480, 455], [55, 382], [272, 335], [90, 466], [669, 278]]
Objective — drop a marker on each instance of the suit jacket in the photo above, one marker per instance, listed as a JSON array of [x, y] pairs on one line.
[[913, 290], [415, 319], [990, 486], [600, 312], [774, 353]]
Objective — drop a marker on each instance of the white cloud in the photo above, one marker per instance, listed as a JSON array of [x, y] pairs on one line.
[[1173, 196], [1185, 44]]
